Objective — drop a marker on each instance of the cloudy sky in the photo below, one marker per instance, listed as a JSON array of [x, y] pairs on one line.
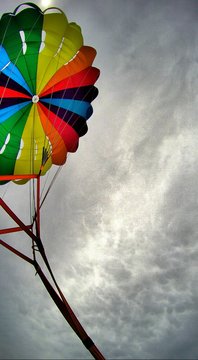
[[120, 224]]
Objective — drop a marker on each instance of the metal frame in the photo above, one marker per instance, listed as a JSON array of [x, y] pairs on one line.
[[54, 291], [22, 226]]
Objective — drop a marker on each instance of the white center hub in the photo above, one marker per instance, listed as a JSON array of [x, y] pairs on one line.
[[35, 99]]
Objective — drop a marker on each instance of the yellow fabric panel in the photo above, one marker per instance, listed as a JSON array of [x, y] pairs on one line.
[[33, 140], [61, 41]]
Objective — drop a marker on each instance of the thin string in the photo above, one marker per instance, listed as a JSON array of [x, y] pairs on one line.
[[5, 190], [51, 184]]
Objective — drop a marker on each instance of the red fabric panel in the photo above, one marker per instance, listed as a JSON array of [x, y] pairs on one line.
[[85, 77], [9, 93], [67, 133]]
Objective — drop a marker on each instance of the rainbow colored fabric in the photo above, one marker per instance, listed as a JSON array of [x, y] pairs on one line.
[[46, 89]]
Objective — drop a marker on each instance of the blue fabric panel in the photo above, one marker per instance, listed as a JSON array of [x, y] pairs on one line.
[[77, 106], [9, 69], [7, 112]]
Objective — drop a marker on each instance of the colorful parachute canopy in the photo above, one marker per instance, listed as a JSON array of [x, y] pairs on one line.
[[46, 89]]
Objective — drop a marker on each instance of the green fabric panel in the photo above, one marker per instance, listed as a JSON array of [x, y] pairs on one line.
[[21, 37], [13, 126]]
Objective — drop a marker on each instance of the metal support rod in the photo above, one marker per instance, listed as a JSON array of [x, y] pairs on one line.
[[70, 317], [58, 299], [17, 220], [17, 177], [13, 229]]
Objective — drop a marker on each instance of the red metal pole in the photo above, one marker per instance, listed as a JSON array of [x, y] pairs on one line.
[[17, 177], [17, 220], [13, 229]]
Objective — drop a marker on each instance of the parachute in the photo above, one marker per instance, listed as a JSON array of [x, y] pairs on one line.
[[46, 90]]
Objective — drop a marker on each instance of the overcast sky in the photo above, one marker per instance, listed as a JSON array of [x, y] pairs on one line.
[[120, 224]]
